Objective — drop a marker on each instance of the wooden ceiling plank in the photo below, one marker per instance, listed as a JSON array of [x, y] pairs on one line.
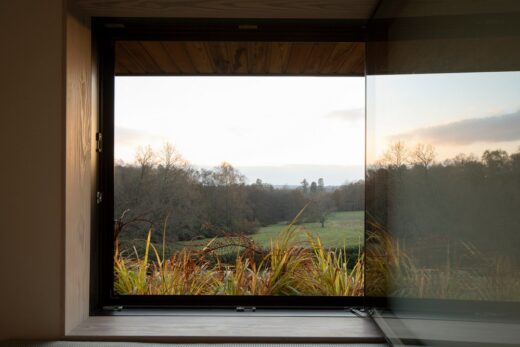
[[258, 54], [279, 57], [298, 55], [177, 52], [124, 58], [160, 56], [342, 52], [137, 51], [319, 56], [121, 69], [305, 9], [199, 56], [221, 57], [354, 61], [218, 54], [237, 53]]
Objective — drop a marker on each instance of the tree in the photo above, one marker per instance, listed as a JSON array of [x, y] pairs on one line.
[[350, 197], [145, 158], [515, 160], [305, 186], [321, 185], [314, 187], [461, 159], [226, 175], [496, 159], [170, 158], [229, 211], [395, 156], [323, 206], [423, 155]]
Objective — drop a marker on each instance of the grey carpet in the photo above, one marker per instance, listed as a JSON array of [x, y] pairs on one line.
[[147, 344]]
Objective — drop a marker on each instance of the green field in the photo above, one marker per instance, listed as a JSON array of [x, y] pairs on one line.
[[341, 229]]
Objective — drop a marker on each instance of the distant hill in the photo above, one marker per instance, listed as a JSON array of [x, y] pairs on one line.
[[292, 175], [281, 186]]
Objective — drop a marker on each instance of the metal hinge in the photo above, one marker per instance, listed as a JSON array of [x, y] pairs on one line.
[[99, 142], [245, 309], [358, 311], [99, 197]]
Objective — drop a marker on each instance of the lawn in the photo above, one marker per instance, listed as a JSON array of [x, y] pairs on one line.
[[284, 269], [341, 229]]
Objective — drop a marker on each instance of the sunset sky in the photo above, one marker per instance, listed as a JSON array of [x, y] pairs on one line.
[[284, 129], [278, 129], [456, 113]]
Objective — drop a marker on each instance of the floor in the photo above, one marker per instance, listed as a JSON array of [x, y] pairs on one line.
[[144, 344]]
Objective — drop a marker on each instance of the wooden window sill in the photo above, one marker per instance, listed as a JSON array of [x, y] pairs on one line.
[[229, 328]]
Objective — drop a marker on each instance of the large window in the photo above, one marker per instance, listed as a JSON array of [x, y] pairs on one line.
[[239, 186], [232, 172]]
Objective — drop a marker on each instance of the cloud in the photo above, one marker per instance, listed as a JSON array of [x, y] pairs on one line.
[[132, 137], [347, 115], [501, 128]]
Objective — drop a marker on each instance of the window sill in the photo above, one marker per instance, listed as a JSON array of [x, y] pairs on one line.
[[229, 328]]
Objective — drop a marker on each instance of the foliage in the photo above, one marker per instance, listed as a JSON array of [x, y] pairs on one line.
[[443, 230], [207, 203], [286, 268], [391, 272]]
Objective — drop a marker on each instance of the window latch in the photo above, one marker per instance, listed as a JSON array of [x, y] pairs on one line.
[[359, 312], [245, 309], [99, 142]]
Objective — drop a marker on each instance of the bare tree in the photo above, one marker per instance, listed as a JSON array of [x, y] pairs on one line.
[[226, 175], [461, 159], [170, 158], [423, 155], [145, 159], [396, 155]]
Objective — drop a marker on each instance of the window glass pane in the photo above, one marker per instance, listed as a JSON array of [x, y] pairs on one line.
[[443, 151], [239, 185], [443, 173], [443, 183]]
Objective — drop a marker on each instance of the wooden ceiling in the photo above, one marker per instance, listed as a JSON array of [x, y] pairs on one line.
[[303, 9], [239, 58], [306, 9]]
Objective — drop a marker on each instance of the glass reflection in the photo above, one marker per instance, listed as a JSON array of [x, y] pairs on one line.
[[443, 184], [443, 172]]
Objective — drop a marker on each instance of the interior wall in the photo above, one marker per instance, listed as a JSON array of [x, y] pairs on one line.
[[32, 146], [78, 169]]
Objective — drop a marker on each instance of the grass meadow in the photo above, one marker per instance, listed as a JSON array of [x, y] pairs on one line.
[[341, 229], [287, 260]]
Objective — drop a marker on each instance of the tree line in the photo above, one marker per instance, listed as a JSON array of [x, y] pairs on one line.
[[467, 202], [161, 189]]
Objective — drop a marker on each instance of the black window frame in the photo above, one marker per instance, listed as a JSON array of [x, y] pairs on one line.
[[109, 30]]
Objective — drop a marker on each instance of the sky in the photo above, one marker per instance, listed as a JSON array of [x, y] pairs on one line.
[[278, 129], [456, 113], [284, 129]]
